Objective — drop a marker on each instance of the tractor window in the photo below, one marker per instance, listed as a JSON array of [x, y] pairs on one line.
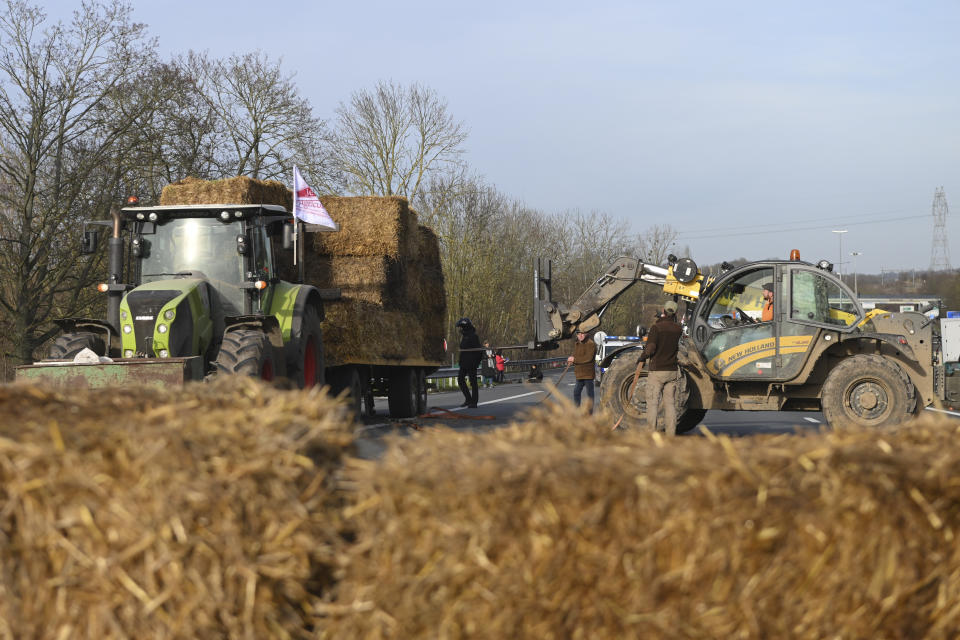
[[201, 247], [816, 298]]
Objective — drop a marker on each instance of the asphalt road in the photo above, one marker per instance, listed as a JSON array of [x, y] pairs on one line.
[[504, 403]]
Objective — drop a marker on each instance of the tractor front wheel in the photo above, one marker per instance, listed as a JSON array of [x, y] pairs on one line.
[[67, 346], [246, 352]]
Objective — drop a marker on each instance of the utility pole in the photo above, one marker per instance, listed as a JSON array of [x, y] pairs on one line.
[[855, 254], [840, 233], [939, 253]]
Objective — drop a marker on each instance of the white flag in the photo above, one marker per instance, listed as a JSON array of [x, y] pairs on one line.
[[306, 204]]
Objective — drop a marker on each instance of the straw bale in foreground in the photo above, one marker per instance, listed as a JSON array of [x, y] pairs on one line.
[[195, 512], [237, 190], [556, 528]]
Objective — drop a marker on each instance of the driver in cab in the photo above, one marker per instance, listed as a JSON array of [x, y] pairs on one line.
[[766, 314]]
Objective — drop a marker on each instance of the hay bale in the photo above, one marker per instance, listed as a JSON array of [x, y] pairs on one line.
[[557, 529], [380, 280], [358, 331], [237, 190], [369, 226], [202, 511]]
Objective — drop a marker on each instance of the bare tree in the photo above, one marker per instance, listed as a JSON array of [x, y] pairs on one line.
[[392, 140], [262, 122], [68, 96]]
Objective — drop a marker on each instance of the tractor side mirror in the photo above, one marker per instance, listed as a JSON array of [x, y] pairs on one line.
[[88, 243], [288, 231], [140, 247], [243, 247]]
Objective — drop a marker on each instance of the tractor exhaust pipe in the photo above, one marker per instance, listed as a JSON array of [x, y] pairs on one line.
[[115, 288]]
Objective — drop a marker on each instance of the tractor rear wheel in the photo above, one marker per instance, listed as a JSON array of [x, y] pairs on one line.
[[309, 366], [403, 396], [246, 352], [67, 346], [867, 391]]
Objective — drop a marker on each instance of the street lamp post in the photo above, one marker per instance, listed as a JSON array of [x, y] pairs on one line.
[[855, 254], [840, 233]]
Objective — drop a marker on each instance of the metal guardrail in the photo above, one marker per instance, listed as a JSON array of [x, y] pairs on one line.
[[516, 371]]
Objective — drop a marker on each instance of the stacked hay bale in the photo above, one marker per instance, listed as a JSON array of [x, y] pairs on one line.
[[387, 266], [557, 529], [238, 190], [197, 512]]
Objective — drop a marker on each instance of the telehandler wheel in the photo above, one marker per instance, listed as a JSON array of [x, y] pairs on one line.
[[403, 394], [67, 346], [309, 367], [246, 352], [615, 392], [869, 391]]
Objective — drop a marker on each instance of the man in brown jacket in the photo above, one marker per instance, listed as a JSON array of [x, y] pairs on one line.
[[661, 351], [583, 367]]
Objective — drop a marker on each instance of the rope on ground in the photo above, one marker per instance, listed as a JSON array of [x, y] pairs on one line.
[[447, 413], [555, 386]]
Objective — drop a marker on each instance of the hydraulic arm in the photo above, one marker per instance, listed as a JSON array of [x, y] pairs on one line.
[[554, 321]]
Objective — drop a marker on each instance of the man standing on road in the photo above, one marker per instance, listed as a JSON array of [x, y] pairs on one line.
[[582, 360], [470, 356], [661, 351]]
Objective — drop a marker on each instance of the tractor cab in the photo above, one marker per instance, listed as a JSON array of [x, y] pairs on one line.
[[227, 247], [738, 340]]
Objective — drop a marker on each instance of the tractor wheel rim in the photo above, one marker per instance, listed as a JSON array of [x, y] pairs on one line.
[[266, 372]]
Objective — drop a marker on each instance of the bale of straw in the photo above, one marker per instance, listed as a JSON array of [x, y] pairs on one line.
[[380, 280], [369, 226], [237, 190], [202, 511], [358, 331], [556, 528]]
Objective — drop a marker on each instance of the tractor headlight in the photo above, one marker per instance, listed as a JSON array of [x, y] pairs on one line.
[[164, 353], [127, 328], [168, 314], [162, 328], [123, 315], [128, 353]]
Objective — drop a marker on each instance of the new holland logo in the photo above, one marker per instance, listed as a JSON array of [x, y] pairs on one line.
[[144, 318]]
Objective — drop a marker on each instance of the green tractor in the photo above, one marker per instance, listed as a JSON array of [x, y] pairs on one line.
[[199, 282]]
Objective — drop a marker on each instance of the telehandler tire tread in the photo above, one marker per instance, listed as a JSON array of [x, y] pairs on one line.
[[867, 390]]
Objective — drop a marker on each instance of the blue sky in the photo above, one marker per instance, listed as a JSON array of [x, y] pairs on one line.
[[751, 127]]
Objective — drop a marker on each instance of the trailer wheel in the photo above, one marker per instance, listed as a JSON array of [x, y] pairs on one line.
[[404, 392], [868, 391], [309, 367], [421, 392], [246, 352], [68, 345], [615, 392]]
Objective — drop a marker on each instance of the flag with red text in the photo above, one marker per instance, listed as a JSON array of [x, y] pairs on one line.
[[306, 204]]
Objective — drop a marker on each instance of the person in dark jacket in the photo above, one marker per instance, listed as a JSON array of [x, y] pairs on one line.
[[535, 374], [661, 352], [471, 353], [584, 369]]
